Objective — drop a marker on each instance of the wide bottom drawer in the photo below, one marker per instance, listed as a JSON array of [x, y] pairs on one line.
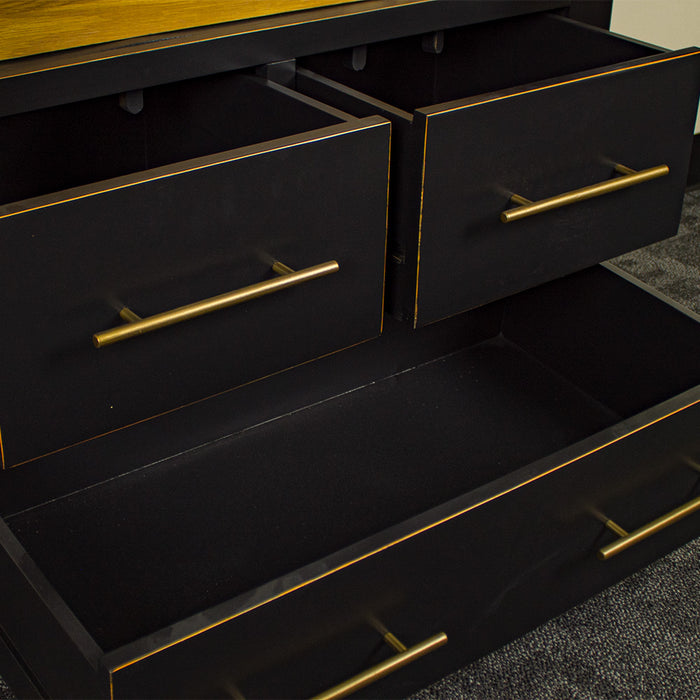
[[464, 494]]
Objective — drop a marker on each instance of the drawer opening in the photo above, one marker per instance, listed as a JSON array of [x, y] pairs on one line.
[[84, 142], [477, 59], [139, 553]]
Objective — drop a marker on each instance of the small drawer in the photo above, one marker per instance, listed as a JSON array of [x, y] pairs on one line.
[[484, 476], [221, 229], [525, 149]]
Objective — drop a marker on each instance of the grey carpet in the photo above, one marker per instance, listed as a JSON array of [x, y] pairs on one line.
[[640, 639]]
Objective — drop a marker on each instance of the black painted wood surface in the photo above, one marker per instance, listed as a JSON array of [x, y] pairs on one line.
[[60, 657], [399, 348], [80, 143], [515, 547], [301, 479], [162, 238]]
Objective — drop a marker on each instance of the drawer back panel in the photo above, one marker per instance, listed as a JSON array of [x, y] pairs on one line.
[[75, 144]]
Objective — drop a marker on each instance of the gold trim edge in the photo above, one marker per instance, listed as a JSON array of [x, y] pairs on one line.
[[420, 223]]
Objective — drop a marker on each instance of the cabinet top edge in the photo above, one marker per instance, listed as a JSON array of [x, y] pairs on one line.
[[43, 80], [37, 28]]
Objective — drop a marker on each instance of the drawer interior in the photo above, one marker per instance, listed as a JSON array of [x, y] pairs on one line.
[[83, 142], [476, 59], [137, 553]]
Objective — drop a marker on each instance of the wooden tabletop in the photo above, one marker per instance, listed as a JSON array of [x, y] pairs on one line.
[[30, 27]]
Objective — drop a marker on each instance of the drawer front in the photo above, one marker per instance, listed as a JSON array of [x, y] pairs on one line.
[[482, 570], [178, 235], [539, 142]]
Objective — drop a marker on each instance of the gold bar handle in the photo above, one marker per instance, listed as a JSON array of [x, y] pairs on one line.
[[629, 178], [384, 668], [629, 539], [137, 326]]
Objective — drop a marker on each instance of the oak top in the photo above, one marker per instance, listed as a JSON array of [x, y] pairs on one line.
[[36, 26]]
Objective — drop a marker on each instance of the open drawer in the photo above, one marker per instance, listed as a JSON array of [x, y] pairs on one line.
[[459, 485], [525, 149], [163, 246]]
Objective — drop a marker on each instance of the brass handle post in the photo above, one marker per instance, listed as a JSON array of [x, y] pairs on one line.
[[137, 326], [627, 540], [384, 668], [629, 178]]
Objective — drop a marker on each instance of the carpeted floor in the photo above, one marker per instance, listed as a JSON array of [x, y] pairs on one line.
[[640, 639]]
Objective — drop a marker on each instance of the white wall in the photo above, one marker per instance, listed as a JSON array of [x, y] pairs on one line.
[[673, 24]]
